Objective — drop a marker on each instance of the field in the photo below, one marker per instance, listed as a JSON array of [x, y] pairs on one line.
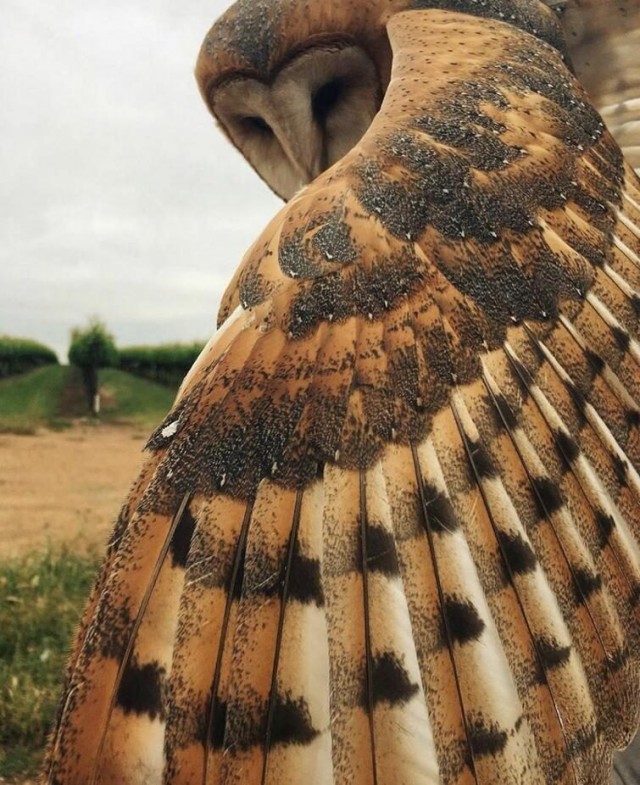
[[64, 487], [41, 596], [63, 478], [53, 396], [32, 400]]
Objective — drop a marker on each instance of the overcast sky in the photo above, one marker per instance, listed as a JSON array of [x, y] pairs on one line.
[[118, 195]]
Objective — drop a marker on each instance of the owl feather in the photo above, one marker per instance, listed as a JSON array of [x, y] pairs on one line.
[[390, 531]]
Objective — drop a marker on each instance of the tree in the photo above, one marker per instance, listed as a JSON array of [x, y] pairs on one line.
[[92, 348]]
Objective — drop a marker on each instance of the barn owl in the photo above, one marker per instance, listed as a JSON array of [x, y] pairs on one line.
[[390, 531], [603, 39]]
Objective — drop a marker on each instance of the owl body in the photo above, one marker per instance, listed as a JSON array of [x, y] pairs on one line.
[[604, 40], [389, 532]]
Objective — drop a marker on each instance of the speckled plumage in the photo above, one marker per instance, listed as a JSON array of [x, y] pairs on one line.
[[390, 531]]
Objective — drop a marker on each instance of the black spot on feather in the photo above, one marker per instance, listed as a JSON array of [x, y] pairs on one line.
[[292, 722], [482, 460], [486, 738], [333, 240], [547, 494], [463, 620], [236, 588], [632, 417], [507, 417], [586, 584], [606, 525], [440, 512], [621, 468], [181, 540], [243, 723], [594, 360], [551, 653], [518, 553], [578, 398], [141, 690], [305, 580], [381, 551], [617, 659], [566, 446], [582, 739], [391, 682], [621, 337]]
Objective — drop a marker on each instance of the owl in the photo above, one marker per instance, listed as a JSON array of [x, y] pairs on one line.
[[390, 531], [603, 39]]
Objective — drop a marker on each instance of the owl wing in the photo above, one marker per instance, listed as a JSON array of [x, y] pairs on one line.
[[604, 41], [389, 532]]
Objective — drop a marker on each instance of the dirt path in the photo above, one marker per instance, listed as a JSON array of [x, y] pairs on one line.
[[65, 487]]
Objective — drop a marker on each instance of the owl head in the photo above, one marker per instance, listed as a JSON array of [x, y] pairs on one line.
[[295, 84]]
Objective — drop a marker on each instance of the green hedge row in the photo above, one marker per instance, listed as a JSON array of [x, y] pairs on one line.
[[167, 364], [19, 355]]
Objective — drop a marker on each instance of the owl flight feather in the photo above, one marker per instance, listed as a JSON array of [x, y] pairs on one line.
[[390, 531]]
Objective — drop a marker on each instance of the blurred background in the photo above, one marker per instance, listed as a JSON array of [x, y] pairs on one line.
[[123, 214], [118, 196]]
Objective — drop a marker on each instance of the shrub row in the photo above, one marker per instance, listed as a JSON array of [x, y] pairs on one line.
[[19, 355], [167, 364]]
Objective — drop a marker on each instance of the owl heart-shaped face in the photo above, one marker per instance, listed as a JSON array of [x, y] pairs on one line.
[[306, 118]]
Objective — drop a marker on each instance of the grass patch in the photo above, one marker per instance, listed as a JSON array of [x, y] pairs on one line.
[[54, 396], [131, 399], [30, 401], [41, 599]]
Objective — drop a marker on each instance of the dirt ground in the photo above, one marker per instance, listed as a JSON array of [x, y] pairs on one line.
[[66, 486]]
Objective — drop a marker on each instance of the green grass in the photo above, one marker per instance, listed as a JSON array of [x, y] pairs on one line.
[[32, 399], [131, 399], [54, 396], [41, 600]]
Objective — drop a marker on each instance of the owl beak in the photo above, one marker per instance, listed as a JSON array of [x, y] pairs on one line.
[[302, 142], [306, 160]]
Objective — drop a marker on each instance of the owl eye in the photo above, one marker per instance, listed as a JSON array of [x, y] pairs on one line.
[[325, 98], [257, 123]]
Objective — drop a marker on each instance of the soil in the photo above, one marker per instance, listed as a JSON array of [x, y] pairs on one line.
[[65, 487], [18, 781]]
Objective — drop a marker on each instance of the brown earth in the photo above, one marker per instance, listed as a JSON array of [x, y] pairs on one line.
[[13, 781], [65, 487]]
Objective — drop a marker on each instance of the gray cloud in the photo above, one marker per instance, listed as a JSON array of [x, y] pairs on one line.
[[118, 196]]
